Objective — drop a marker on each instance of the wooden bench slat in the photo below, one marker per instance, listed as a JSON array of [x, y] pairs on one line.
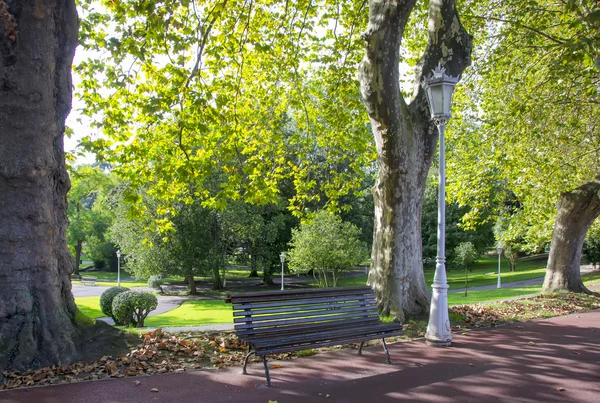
[[317, 314], [295, 295], [306, 320], [244, 307], [303, 308], [302, 293], [326, 335], [306, 346], [268, 332]]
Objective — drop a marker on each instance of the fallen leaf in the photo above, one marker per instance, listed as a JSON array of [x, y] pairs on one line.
[[560, 389], [137, 383], [271, 401], [275, 366], [471, 365], [154, 390], [532, 343], [326, 395]]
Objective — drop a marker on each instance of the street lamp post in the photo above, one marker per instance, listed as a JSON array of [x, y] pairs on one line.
[[439, 88], [499, 250], [282, 258], [118, 268]]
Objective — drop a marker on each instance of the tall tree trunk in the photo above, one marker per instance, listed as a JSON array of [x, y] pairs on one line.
[[77, 257], [577, 210], [406, 140], [37, 309], [192, 284], [253, 266], [217, 283]]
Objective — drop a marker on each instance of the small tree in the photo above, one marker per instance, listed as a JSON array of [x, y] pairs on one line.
[[591, 247], [326, 244], [465, 254], [156, 282]]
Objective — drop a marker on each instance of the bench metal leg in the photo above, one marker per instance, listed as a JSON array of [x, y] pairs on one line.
[[362, 343], [250, 352], [267, 370], [389, 360]]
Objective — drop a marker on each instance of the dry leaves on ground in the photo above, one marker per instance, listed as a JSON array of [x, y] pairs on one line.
[[479, 315], [158, 353]]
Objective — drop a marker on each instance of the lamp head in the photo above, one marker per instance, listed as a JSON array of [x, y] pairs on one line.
[[439, 88]]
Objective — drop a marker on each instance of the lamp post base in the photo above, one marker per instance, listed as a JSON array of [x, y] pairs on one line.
[[438, 343], [438, 329]]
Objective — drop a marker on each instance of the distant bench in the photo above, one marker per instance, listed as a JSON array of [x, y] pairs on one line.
[[91, 281], [286, 321]]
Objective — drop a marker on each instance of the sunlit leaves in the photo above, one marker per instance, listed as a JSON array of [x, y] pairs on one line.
[[183, 90], [533, 129]]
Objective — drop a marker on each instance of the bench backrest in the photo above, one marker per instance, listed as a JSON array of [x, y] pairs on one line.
[[278, 313]]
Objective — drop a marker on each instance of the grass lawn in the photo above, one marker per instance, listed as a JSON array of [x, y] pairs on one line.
[[505, 293], [89, 306], [484, 272], [194, 313]]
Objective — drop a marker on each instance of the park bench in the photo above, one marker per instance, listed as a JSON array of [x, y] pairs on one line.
[[286, 321], [90, 280]]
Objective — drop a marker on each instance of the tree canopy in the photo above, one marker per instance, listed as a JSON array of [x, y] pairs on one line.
[[181, 90]]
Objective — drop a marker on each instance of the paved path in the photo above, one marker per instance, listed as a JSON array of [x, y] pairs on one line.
[[515, 363]]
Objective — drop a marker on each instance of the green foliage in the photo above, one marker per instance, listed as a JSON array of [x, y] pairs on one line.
[[255, 94], [196, 243], [326, 244], [107, 298], [480, 235], [465, 254], [132, 307], [89, 215], [526, 126], [155, 281], [591, 246]]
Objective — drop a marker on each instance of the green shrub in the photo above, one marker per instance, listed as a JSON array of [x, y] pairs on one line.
[[132, 307], [155, 282], [106, 300]]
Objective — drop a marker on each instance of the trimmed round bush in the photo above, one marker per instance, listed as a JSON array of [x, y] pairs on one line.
[[155, 282], [132, 307], [106, 300]]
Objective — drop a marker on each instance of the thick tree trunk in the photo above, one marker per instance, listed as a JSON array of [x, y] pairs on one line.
[[406, 140], [37, 309], [192, 284], [217, 283], [577, 210], [267, 278], [253, 266], [77, 257]]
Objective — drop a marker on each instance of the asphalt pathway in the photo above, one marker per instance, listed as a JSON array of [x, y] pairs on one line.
[[553, 360]]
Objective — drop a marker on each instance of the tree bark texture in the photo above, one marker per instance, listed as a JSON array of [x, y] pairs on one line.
[[37, 310], [192, 284], [406, 141], [77, 257], [577, 210]]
